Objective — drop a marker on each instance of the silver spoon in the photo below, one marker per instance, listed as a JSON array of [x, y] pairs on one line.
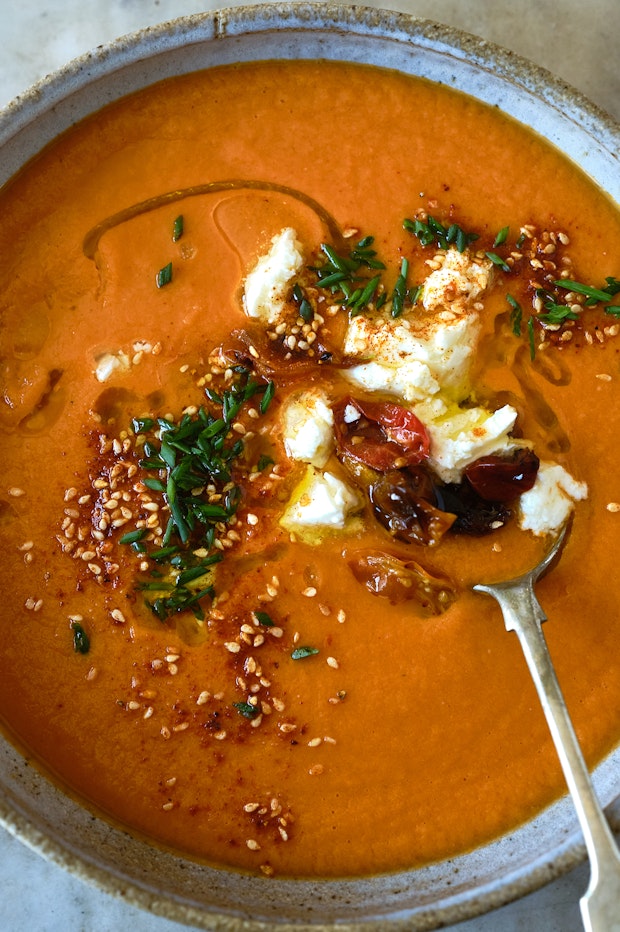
[[600, 905]]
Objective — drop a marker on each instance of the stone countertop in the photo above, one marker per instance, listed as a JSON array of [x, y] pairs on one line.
[[577, 41]]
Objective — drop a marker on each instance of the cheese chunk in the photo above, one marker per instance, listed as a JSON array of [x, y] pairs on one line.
[[430, 349], [308, 427], [459, 439], [320, 501], [458, 283], [110, 363], [548, 504], [266, 286]]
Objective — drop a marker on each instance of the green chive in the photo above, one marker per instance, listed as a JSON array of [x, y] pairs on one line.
[[164, 276], [267, 397], [132, 537], [301, 652], [516, 315], [263, 619], [177, 228], [81, 641], [501, 237], [245, 709]]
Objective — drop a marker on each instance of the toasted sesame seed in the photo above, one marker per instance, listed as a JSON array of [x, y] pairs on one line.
[[613, 507], [203, 698], [316, 770], [16, 492], [287, 727], [164, 732], [219, 735], [341, 616], [309, 592], [332, 662], [252, 844], [604, 377], [315, 742], [167, 806]]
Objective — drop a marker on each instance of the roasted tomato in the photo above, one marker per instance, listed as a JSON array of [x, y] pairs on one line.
[[403, 502], [503, 478], [387, 575], [380, 434]]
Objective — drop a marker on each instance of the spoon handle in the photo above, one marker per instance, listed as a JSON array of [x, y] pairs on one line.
[[600, 906]]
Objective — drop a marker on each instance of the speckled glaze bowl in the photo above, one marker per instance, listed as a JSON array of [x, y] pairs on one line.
[[58, 826]]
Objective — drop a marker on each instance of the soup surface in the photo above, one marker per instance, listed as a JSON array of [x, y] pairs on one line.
[[237, 562]]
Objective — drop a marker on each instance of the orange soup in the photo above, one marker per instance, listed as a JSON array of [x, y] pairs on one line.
[[293, 354]]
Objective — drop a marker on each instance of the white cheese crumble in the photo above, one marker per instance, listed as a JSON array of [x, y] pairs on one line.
[[461, 438], [267, 284], [459, 282], [547, 505], [321, 500], [426, 351], [110, 363], [308, 428]]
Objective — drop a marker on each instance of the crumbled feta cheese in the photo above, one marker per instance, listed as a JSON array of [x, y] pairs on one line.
[[459, 282], [458, 439], [425, 351], [308, 427], [547, 505], [109, 363], [266, 285], [321, 500]]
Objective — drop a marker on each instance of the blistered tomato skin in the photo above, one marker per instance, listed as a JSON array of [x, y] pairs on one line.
[[503, 479], [382, 436]]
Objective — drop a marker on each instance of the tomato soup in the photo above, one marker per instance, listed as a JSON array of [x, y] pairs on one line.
[[273, 660]]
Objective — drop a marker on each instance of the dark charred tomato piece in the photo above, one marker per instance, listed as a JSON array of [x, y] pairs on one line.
[[474, 515], [402, 501], [384, 436], [501, 478]]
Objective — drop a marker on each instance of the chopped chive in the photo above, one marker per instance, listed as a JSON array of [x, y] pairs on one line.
[[301, 652], [501, 237], [516, 315], [81, 641], [164, 276], [132, 537], [246, 709], [267, 397], [263, 619], [177, 228], [498, 261]]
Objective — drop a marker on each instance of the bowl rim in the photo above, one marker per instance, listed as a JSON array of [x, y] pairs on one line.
[[56, 94]]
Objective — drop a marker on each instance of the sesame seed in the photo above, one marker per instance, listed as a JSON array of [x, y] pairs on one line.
[[203, 698], [341, 616], [219, 735], [613, 507], [168, 806], [315, 742], [252, 844], [16, 492], [309, 592], [604, 377], [316, 770], [332, 662]]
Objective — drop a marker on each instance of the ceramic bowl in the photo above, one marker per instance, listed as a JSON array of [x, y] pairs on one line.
[[58, 826]]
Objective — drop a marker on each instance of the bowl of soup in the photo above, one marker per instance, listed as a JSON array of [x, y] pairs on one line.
[[309, 323]]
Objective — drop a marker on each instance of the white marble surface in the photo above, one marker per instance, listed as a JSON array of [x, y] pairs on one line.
[[575, 40]]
